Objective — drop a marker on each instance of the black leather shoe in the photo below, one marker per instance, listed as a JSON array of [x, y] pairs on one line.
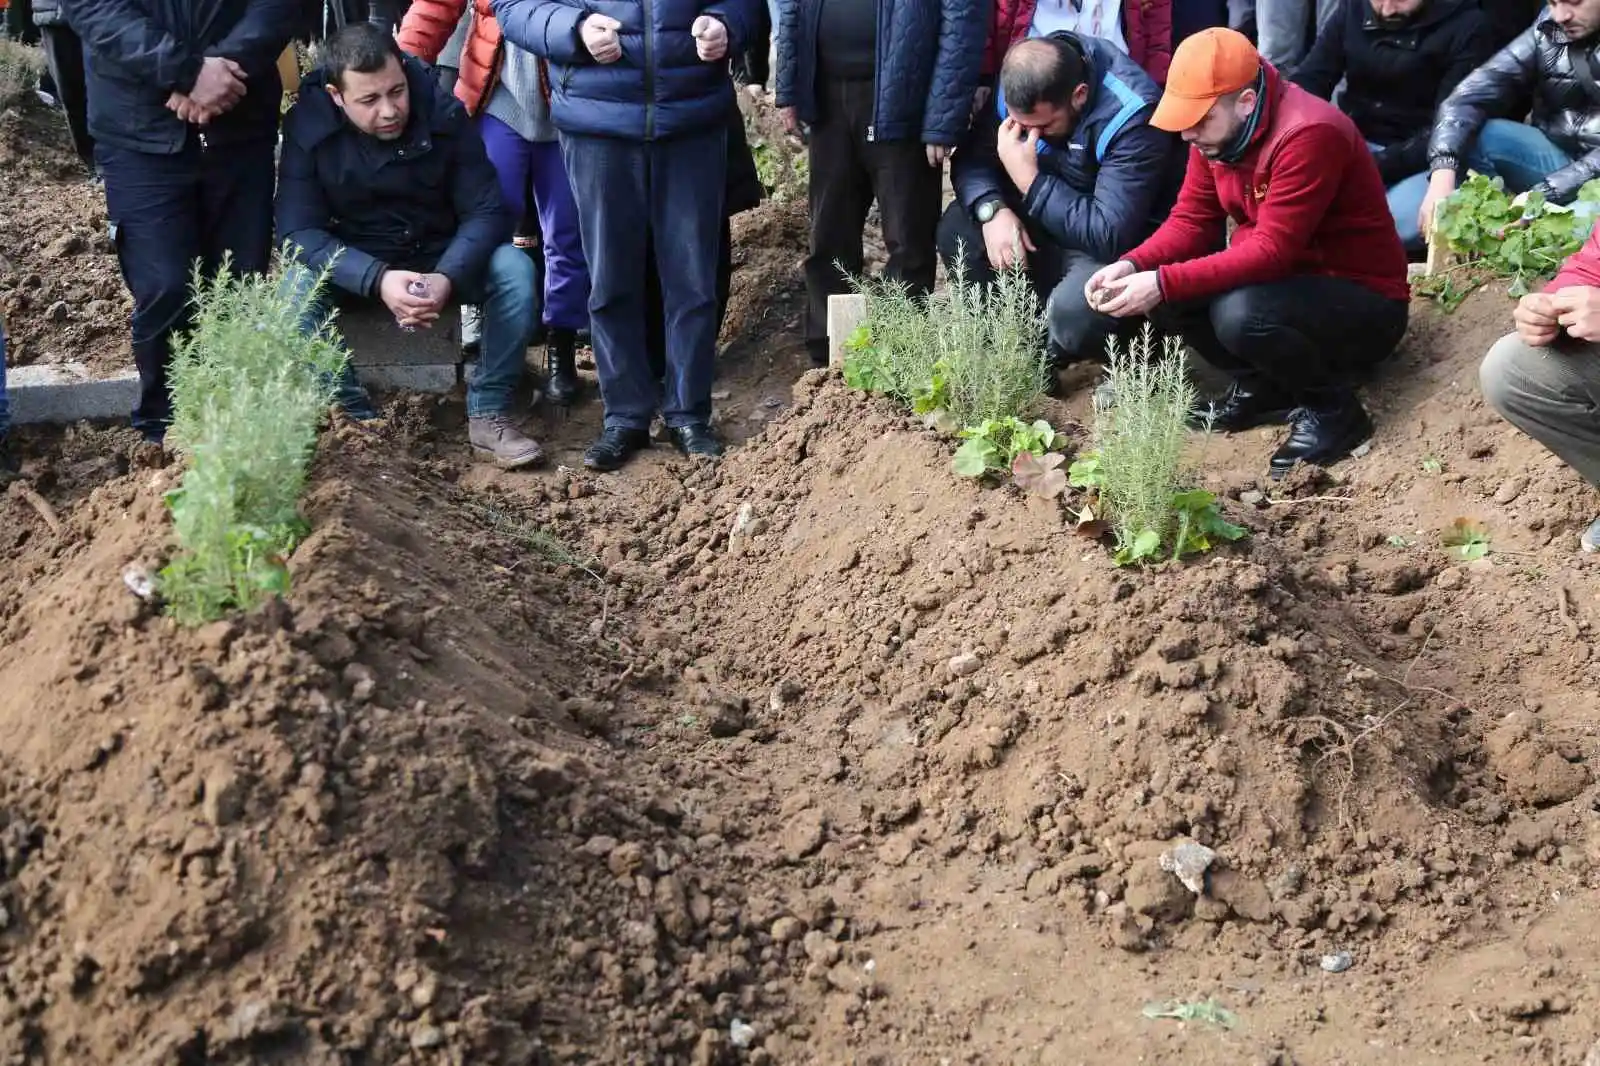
[[1322, 433], [1245, 405], [615, 447], [697, 441], [561, 367]]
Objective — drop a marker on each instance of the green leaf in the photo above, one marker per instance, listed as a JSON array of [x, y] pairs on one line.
[[1146, 544], [860, 339], [1086, 473], [975, 458]]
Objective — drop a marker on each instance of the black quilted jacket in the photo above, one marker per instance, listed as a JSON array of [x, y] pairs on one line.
[[1534, 69], [929, 52]]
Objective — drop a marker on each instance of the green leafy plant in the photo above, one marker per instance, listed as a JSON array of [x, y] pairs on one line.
[[994, 444], [782, 171], [1135, 472], [1466, 540], [976, 352], [1499, 239], [1433, 465], [250, 389]]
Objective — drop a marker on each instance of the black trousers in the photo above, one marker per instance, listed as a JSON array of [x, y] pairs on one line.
[[1303, 336], [848, 172], [1059, 275], [169, 213], [63, 55]]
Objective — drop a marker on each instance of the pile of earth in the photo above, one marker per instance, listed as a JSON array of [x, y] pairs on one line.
[[938, 668], [61, 295], [372, 823]]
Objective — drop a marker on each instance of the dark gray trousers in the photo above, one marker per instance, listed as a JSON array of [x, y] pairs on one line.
[[1551, 394]]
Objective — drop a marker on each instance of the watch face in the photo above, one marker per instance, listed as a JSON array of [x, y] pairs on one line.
[[987, 211]]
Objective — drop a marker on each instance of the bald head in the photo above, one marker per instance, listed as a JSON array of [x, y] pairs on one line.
[[1041, 70]]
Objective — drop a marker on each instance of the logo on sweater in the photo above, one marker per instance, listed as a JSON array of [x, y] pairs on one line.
[[1259, 192]]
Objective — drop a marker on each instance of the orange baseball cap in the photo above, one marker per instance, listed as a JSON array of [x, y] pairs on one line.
[[1207, 65]]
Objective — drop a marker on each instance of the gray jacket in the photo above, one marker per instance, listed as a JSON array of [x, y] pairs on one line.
[[1536, 65]]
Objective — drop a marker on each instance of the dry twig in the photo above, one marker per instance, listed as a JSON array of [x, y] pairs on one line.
[[24, 492]]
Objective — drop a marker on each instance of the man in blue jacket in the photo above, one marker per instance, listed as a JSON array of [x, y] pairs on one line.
[[1062, 176], [183, 109], [384, 179], [886, 87], [640, 94]]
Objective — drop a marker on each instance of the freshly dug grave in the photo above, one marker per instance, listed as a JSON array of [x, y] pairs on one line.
[[365, 826], [61, 294]]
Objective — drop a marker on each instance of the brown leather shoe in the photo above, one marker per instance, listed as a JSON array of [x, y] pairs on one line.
[[497, 438]]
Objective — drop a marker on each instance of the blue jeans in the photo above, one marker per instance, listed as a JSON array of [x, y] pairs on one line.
[[663, 198], [1516, 153], [510, 305]]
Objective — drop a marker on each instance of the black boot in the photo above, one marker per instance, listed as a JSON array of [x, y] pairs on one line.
[[615, 447], [1245, 404], [1323, 430], [561, 367]]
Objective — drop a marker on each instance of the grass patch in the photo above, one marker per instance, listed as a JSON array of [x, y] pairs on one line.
[[249, 394], [20, 66]]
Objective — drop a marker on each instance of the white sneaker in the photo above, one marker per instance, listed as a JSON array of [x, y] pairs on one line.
[[1590, 541]]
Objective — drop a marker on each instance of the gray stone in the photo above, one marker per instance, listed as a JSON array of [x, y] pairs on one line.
[[67, 393]]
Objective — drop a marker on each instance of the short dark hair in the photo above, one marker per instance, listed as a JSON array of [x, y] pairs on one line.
[[361, 47], [1042, 70]]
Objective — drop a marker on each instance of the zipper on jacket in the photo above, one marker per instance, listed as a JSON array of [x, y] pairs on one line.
[[649, 72], [877, 43]]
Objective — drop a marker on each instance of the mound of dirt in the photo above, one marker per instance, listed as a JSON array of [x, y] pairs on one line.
[[61, 293], [945, 669], [370, 824]]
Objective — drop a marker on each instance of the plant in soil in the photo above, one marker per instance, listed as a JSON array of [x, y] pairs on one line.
[[19, 70], [1499, 239], [975, 352], [1466, 540], [994, 445], [249, 393], [1135, 471]]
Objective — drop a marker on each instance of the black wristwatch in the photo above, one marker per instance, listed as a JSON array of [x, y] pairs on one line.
[[987, 209]]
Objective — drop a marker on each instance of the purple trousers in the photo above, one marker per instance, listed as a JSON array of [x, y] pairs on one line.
[[531, 165]]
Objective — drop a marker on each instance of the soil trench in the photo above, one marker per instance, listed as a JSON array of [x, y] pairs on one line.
[[821, 755]]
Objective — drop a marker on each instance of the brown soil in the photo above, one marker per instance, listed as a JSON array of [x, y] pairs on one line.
[[885, 775], [61, 294]]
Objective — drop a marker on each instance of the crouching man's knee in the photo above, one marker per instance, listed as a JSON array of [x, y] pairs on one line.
[[1077, 331], [1510, 372]]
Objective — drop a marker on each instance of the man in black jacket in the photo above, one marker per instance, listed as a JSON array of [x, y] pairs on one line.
[[183, 107], [1069, 180], [385, 181], [1479, 126], [1402, 59]]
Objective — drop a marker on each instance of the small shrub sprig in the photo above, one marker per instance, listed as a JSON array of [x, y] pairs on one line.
[[20, 66], [970, 360], [249, 392], [1135, 472]]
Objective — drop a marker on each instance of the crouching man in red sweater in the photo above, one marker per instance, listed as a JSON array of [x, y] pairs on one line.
[[1310, 292], [1545, 378]]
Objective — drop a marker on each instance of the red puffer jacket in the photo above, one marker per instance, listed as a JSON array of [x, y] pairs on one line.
[[1147, 24], [427, 28], [1581, 268]]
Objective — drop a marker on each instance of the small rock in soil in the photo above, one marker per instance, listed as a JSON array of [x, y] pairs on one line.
[[424, 1037], [787, 929], [965, 665], [1450, 579], [802, 836], [1338, 962], [1189, 861], [224, 798], [740, 1034], [1510, 489]]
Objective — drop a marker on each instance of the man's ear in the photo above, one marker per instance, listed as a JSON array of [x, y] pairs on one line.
[[1080, 97]]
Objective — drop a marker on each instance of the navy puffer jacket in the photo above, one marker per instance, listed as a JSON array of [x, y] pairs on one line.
[[929, 52], [660, 88]]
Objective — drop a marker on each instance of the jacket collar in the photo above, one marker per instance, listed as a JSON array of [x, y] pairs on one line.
[[1548, 28]]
